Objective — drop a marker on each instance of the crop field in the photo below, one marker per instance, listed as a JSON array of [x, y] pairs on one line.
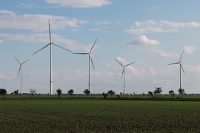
[[73, 115]]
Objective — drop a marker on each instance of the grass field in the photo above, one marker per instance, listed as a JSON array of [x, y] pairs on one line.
[[78, 115]]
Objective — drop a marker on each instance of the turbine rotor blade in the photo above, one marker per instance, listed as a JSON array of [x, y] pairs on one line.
[[182, 68], [61, 47], [24, 62], [81, 53], [49, 31], [119, 62], [92, 62], [174, 63], [41, 49], [122, 72], [19, 71], [17, 60], [181, 56], [93, 45], [129, 64]]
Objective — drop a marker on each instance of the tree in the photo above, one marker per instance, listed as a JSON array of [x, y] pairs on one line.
[[157, 91], [171, 93], [70, 92], [16, 92], [59, 91], [3, 92], [111, 92], [150, 93], [104, 95], [181, 91], [87, 92], [33, 91]]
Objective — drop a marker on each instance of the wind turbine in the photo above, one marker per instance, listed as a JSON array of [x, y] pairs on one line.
[[50, 44], [90, 59], [123, 72], [181, 68], [20, 69]]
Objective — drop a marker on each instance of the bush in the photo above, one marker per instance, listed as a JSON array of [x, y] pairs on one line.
[[3, 92], [105, 95]]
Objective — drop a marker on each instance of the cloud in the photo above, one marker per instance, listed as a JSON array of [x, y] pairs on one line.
[[164, 54], [1, 41], [26, 37], [152, 71], [95, 29], [29, 5], [193, 68], [105, 74], [5, 12], [143, 40], [189, 49], [36, 23], [108, 65], [44, 38], [151, 26], [121, 60], [3, 77], [102, 22], [79, 3]]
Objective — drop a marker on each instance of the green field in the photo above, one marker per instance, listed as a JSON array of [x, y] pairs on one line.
[[78, 115]]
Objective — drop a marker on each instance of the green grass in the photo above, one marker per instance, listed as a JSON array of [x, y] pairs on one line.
[[63, 115]]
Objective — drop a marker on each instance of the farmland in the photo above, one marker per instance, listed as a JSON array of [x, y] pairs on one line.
[[97, 115]]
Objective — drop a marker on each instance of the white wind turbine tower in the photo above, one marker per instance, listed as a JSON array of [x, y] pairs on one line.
[[181, 68], [50, 44], [123, 72], [20, 69], [90, 59]]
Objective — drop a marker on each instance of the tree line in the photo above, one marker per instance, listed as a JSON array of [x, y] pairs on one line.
[[158, 91]]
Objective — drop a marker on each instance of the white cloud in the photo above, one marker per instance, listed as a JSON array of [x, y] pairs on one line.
[[189, 49], [105, 74], [5, 12], [26, 37], [152, 71], [108, 65], [151, 26], [3, 77], [143, 40], [193, 68], [80, 3], [44, 38], [164, 54], [121, 60], [102, 22], [1, 41], [36, 22], [95, 29], [29, 5]]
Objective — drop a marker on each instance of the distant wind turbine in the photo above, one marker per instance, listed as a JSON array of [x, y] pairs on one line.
[[123, 72], [90, 59], [181, 67], [20, 69], [49, 44]]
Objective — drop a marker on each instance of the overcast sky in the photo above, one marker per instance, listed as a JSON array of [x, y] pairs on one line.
[[150, 33]]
